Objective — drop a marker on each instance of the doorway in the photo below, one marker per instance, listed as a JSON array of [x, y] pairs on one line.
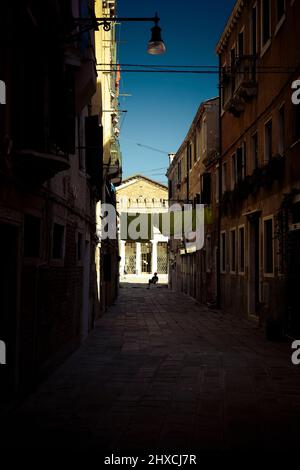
[[253, 280], [146, 257], [8, 306], [130, 258], [162, 258], [293, 283], [86, 290]]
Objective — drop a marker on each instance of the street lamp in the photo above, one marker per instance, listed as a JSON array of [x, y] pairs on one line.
[[156, 45]]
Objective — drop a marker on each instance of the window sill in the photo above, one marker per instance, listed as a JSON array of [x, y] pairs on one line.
[[241, 273], [265, 47], [269, 275], [252, 317]]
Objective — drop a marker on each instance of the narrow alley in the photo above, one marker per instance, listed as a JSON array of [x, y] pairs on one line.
[[162, 372]]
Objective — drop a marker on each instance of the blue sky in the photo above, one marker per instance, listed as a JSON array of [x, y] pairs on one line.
[[162, 106]]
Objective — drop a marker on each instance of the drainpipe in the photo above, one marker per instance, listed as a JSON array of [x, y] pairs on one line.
[[220, 194]]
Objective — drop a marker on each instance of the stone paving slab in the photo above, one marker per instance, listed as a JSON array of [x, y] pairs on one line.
[[162, 372]]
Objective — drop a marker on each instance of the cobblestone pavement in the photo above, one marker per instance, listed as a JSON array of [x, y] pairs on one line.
[[162, 372]]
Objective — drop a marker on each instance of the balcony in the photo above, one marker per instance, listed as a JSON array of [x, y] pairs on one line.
[[245, 72], [239, 85], [262, 177], [36, 167], [211, 158]]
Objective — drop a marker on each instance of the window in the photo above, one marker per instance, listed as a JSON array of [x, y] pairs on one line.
[[206, 189], [280, 10], [241, 249], [162, 258], [240, 163], [295, 210], [79, 246], [195, 146], [208, 253], [179, 172], [254, 145], [204, 134], [241, 44], [223, 252], [233, 171], [281, 142], [244, 159], [268, 141], [254, 30], [170, 183], [232, 65], [58, 241], [296, 109], [268, 246], [225, 89], [146, 257], [224, 170], [189, 156], [32, 236], [266, 21], [233, 250], [81, 150], [130, 258], [217, 182]]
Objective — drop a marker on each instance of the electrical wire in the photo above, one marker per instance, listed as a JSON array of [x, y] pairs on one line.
[[192, 69], [154, 169], [151, 148], [112, 64], [147, 146], [196, 72]]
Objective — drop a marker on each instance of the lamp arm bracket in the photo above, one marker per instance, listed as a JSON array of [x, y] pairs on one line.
[[94, 23]]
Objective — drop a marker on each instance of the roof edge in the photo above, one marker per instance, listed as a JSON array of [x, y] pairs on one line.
[[135, 176], [202, 107], [237, 9]]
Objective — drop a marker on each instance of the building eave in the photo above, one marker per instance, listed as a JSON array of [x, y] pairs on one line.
[[132, 179], [235, 14], [202, 108]]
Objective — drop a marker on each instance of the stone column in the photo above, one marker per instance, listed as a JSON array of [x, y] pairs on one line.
[[154, 256], [138, 258]]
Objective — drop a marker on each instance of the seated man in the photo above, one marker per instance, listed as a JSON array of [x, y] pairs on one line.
[[153, 280]]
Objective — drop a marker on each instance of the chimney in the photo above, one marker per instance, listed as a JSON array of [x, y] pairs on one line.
[[171, 157]]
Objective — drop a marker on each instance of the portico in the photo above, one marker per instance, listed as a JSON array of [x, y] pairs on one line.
[[141, 259]]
